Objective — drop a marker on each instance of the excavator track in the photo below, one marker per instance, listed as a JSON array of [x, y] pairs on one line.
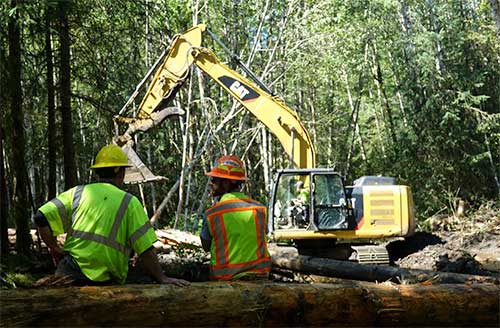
[[364, 254], [370, 254]]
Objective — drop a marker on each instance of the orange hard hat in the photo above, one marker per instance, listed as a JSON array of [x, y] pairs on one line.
[[228, 167]]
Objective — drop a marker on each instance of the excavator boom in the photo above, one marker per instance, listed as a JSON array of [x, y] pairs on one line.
[[270, 110], [184, 51]]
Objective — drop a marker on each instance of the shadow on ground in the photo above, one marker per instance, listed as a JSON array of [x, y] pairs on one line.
[[402, 248]]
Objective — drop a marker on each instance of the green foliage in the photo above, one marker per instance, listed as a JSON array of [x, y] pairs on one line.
[[419, 81], [17, 280], [14, 269]]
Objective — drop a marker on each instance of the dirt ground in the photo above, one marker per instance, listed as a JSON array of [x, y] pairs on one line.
[[468, 244]]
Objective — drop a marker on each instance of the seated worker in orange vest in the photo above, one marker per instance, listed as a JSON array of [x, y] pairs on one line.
[[104, 225], [234, 229]]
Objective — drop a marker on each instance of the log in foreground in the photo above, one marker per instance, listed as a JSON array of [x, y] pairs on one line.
[[287, 258], [254, 304]]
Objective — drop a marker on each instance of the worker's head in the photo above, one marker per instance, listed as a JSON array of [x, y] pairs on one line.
[[110, 163], [226, 175], [299, 185]]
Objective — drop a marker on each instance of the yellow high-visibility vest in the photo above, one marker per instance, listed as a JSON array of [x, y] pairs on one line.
[[104, 224]]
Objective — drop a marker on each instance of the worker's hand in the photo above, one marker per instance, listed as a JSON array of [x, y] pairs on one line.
[[57, 254], [174, 281]]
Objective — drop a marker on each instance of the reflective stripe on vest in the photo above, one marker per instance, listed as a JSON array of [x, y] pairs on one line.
[[231, 205], [77, 196], [62, 213], [141, 231], [223, 269], [109, 241], [260, 222], [262, 265], [76, 201]]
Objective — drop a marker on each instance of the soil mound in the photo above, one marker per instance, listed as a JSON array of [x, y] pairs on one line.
[[469, 244]]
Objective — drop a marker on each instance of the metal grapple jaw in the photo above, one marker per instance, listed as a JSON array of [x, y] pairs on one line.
[[139, 172]]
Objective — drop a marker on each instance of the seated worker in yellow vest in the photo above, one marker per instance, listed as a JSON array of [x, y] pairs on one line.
[[104, 225], [234, 229]]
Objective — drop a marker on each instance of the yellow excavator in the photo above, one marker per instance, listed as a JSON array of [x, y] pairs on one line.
[[310, 207]]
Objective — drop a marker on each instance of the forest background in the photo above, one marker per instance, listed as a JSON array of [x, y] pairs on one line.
[[403, 88]]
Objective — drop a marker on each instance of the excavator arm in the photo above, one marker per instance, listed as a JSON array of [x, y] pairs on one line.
[[185, 50], [271, 111]]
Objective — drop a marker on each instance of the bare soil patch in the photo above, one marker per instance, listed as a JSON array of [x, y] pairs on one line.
[[468, 244]]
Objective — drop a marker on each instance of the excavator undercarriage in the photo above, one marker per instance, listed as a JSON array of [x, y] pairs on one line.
[[368, 253]]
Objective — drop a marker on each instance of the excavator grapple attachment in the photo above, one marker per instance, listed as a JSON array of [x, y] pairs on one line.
[[139, 172]]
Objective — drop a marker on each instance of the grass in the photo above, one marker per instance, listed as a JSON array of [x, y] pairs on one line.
[[21, 271]]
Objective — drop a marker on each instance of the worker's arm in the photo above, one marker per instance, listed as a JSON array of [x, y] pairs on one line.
[[153, 267], [48, 237], [205, 244], [205, 236]]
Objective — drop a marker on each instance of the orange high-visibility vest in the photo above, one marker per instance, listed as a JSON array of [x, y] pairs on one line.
[[238, 227]]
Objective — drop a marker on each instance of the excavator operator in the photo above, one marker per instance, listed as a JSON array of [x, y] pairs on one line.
[[299, 206], [234, 229], [104, 225]]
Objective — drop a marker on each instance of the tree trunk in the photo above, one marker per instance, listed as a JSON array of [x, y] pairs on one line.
[[65, 90], [190, 155], [4, 193], [495, 12], [397, 80], [4, 208], [215, 304], [384, 101], [20, 183], [412, 84], [354, 106], [312, 126], [265, 151], [286, 258], [434, 25], [378, 126], [184, 124], [492, 163]]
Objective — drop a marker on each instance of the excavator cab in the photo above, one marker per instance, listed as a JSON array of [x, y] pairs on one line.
[[309, 199], [323, 217]]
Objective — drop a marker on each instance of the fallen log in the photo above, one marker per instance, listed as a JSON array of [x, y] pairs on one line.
[[287, 258], [254, 304], [178, 238]]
